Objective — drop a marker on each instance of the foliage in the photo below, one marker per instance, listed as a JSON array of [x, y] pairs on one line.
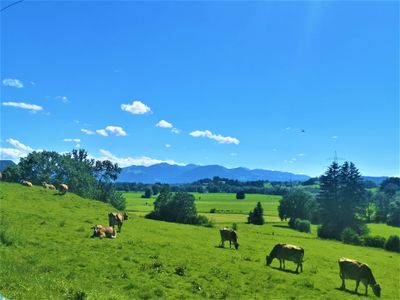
[[374, 241], [302, 225], [84, 176], [235, 226], [393, 217], [390, 186], [341, 199], [296, 205], [148, 192], [349, 236], [257, 215], [393, 243], [178, 208], [240, 195]]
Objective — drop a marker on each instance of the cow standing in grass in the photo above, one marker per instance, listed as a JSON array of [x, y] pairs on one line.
[[358, 271], [117, 218], [48, 186], [287, 252], [230, 235], [63, 188], [26, 183], [103, 231]]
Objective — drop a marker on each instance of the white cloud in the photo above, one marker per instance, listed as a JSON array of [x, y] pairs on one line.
[[102, 132], [137, 161], [164, 124], [87, 131], [175, 130], [216, 137], [233, 154], [72, 140], [301, 154], [117, 130], [17, 144], [77, 145], [168, 146], [290, 161], [19, 150], [335, 137], [31, 107], [13, 83], [136, 108]]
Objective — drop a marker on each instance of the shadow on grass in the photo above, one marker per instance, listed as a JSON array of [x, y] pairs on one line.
[[226, 248], [282, 226], [351, 292], [285, 270]]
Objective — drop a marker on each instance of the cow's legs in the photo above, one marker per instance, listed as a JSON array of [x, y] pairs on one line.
[[280, 263], [301, 267], [297, 269], [366, 289], [341, 275], [284, 264], [357, 283], [119, 227], [222, 243], [230, 244]]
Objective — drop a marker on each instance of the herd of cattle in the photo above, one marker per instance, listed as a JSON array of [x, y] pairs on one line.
[[62, 188], [349, 268]]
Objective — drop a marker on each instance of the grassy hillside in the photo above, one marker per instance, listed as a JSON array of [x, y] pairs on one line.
[[46, 253]]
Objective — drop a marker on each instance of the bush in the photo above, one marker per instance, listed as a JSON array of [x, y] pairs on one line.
[[240, 195], [235, 226], [257, 215], [148, 192], [349, 236], [393, 243], [374, 241], [213, 210], [302, 225]]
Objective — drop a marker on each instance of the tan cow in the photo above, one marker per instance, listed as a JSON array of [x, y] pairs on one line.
[[63, 188], [358, 271], [26, 183], [48, 186], [104, 231], [117, 218], [230, 235], [287, 252]]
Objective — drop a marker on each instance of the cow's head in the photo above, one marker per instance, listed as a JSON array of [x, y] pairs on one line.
[[376, 288], [96, 230], [269, 259], [125, 216], [236, 245]]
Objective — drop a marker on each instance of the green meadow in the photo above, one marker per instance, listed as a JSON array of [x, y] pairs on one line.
[[46, 253]]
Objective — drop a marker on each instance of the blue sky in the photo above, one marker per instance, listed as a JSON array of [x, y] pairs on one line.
[[235, 83]]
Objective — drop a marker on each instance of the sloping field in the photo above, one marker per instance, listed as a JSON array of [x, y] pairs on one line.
[[46, 253]]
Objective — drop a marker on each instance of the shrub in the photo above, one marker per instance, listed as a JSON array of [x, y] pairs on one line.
[[349, 236], [257, 215], [393, 243], [213, 210], [235, 226], [374, 241], [148, 192], [302, 225], [240, 195]]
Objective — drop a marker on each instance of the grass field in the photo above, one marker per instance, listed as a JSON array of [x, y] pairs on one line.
[[46, 253]]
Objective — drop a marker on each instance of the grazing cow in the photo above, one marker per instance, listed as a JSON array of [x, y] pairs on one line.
[[358, 271], [230, 235], [287, 252], [102, 232], [26, 183], [63, 188], [48, 186], [117, 218]]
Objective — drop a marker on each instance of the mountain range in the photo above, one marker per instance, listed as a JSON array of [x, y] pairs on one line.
[[166, 173]]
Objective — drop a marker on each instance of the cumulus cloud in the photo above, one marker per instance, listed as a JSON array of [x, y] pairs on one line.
[[88, 132], [19, 150], [117, 130], [167, 146], [175, 130], [31, 107], [137, 161], [164, 124], [72, 140], [102, 132], [13, 83], [136, 108], [216, 137]]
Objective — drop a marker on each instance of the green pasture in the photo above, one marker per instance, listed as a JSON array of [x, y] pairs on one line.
[[46, 253]]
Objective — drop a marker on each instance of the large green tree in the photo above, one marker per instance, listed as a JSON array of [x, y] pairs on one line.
[[341, 199], [296, 205]]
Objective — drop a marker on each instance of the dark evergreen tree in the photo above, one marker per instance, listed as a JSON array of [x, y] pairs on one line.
[[240, 195], [148, 192], [257, 215]]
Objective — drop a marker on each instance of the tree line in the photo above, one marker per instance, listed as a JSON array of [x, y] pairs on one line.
[[84, 176]]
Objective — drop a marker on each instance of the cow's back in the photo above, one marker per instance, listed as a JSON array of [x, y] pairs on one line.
[[353, 269], [290, 252], [227, 234]]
